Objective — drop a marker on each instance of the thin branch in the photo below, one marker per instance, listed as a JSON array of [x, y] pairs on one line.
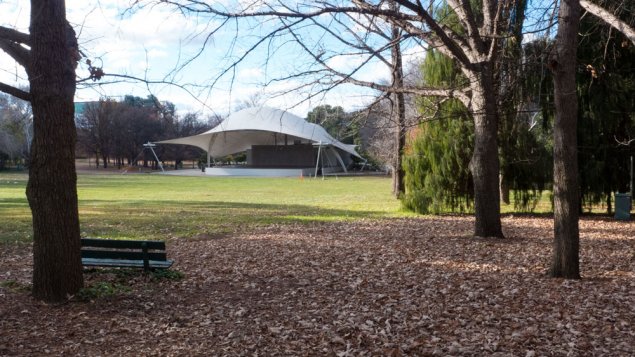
[[147, 82]]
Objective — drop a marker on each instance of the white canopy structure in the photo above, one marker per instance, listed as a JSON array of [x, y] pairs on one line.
[[267, 130]]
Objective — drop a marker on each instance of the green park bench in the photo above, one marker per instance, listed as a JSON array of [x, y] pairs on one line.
[[148, 255]]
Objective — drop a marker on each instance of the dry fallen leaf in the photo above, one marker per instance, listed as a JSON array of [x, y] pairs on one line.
[[399, 287]]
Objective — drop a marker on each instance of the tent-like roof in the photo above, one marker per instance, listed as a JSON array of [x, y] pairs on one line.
[[259, 126]]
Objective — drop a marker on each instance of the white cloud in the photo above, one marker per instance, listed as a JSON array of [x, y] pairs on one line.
[[414, 54], [153, 41], [345, 63], [252, 74]]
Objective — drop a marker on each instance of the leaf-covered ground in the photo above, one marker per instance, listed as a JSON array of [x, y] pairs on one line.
[[375, 287]]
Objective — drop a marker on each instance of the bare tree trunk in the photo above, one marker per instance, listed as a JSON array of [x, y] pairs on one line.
[[399, 173], [51, 191], [484, 164], [566, 263], [399, 110]]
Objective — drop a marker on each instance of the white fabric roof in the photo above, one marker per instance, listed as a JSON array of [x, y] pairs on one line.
[[259, 126]]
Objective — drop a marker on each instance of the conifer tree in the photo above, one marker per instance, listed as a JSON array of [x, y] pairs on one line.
[[606, 83], [437, 158]]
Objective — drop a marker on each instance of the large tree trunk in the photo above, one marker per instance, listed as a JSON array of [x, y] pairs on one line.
[[51, 191], [566, 263], [485, 163]]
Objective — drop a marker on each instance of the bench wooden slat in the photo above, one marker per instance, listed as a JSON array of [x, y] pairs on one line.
[[164, 264], [122, 254], [122, 244]]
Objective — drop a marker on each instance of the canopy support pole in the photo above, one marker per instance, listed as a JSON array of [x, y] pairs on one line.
[[151, 146], [339, 159], [209, 150], [317, 162]]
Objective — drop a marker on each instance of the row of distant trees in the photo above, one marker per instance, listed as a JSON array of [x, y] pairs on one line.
[[114, 131]]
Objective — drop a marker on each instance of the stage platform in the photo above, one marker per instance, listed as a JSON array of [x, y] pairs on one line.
[[261, 172], [252, 172]]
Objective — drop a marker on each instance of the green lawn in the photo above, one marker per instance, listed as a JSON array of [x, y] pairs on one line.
[[154, 206], [157, 206]]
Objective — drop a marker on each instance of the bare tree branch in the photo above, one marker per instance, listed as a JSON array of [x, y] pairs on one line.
[[124, 77], [13, 35], [609, 18], [16, 92], [463, 10], [623, 142], [488, 15], [447, 37], [17, 52]]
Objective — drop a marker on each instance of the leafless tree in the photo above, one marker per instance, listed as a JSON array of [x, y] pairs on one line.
[[254, 100], [329, 30], [96, 128], [399, 105]]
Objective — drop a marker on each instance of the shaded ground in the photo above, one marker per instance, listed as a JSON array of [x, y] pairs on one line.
[[391, 287]]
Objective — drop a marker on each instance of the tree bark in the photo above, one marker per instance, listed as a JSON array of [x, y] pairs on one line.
[[485, 164], [399, 174], [399, 110], [52, 186], [566, 263]]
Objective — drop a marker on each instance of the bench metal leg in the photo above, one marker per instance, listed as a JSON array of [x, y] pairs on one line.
[[146, 259]]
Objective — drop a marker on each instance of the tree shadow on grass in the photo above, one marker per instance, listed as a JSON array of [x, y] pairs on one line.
[[12, 203], [159, 219]]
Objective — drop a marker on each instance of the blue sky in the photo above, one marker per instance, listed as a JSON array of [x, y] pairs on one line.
[[152, 42]]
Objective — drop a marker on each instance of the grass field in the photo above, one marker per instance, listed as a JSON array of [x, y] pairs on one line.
[[291, 267], [157, 206], [144, 206]]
